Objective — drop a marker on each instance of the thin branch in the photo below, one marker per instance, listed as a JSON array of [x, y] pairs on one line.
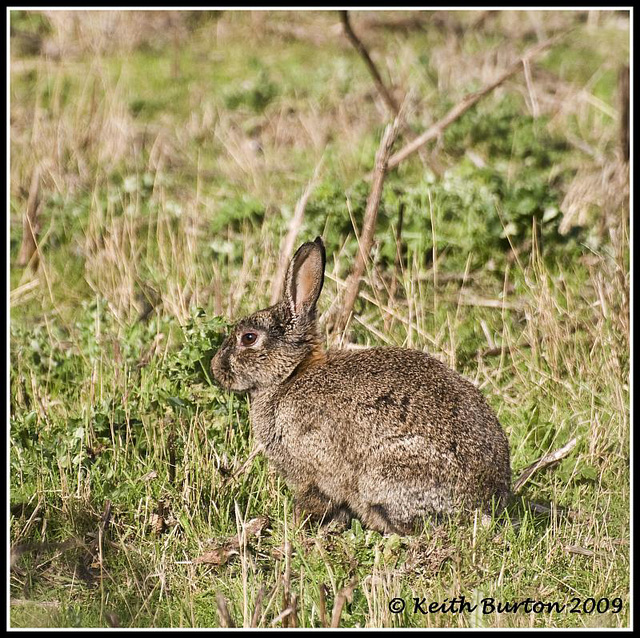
[[247, 464], [391, 104], [223, 611], [28, 254], [258, 606], [397, 262], [322, 604], [540, 464], [369, 224], [385, 93], [623, 89], [282, 616], [467, 102], [343, 595], [293, 618], [286, 590]]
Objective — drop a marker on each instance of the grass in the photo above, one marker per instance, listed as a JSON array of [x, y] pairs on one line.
[[172, 156]]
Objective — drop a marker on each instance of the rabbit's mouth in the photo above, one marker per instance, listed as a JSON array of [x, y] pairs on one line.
[[224, 377], [221, 381], [226, 382]]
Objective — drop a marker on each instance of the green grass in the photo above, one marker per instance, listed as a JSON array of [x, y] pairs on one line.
[[162, 222]]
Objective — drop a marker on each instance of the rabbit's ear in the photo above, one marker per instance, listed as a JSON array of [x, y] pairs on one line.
[[305, 277]]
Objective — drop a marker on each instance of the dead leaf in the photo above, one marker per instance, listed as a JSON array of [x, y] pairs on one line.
[[220, 555], [429, 558], [256, 526], [230, 547]]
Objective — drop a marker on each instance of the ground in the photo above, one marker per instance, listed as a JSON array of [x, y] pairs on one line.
[[169, 150]]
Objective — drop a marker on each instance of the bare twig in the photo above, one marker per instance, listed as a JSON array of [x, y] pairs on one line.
[[18, 550], [392, 106], [102, 529], [545, 461], [293, 617], [38, 603], [247, 464], [343, 595], [282, 616], [223, 611], [466, 103], [322, 604], [397, 262], [172, 453], [292, 234], [582, 551], [384, 92], [469, 299], [623, 87], [369, 224], [28, 254], [258, 606], [286, 591], [390, 22]]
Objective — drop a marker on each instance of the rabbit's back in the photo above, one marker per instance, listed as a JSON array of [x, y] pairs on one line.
[[387, 422]]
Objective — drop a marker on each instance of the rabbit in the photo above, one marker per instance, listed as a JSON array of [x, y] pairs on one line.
[[388, 435]]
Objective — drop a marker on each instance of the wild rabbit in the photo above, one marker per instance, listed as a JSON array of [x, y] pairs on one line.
[[387, 435]]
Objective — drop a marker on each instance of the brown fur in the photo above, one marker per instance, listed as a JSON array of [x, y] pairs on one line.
[[315, 358], [385, 434]]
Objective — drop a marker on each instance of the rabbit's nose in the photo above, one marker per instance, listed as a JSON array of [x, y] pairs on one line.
[[219, 363], [215, 363]]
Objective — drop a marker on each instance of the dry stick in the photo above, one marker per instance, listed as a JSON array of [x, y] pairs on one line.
[[369, 224], [293, 617], [273, 592], [466, 103], [286, 593], [39, 603], [397, 24], [245, 466], [397, 262], [281, 616], [102, 529], [292, 233], [18, 550], [223, 611], [623, 88], [344, 594], [392, 105], [258, 606], [31, 225], [172, 453], [322, 604], [543, 462]]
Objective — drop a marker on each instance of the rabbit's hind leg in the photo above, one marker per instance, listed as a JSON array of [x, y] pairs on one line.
[[313, 504], [393, 496], [380, 518]]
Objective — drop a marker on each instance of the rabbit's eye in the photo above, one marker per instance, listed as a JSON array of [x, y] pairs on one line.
[[248, 338]]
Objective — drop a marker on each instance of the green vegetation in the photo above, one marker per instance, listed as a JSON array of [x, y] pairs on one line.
[[172, 148]]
